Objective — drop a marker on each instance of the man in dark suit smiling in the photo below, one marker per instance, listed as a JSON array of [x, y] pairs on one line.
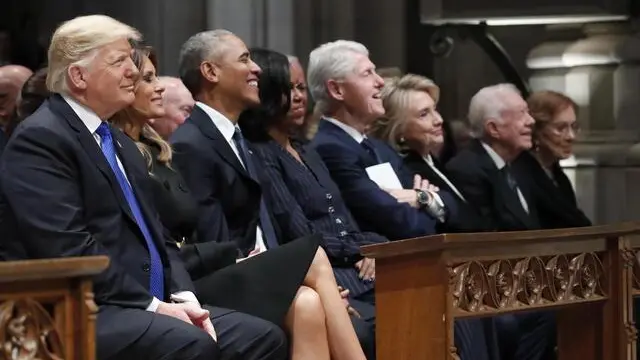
[[71, 185]]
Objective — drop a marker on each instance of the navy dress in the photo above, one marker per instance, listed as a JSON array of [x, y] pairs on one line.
[[305, 201]]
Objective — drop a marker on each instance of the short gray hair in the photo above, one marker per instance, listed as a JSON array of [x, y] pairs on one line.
[[202, 46], [488, 103], [77, 41], [332, 60]]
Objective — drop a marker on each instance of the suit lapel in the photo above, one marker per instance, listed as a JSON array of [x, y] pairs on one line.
[[91, 147], [345, 138], [219, 143], [510, 198]]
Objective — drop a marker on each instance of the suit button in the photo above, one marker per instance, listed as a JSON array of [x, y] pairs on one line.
[[343, 233], [146, 267], [329, 196], [338, 221], [331, 210]]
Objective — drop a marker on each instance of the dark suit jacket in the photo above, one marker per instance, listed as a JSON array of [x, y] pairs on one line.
[[475, 174], [555, 202], [468, 219], [373, 208], [57, 184], [221, 185], [178, 212], [306, 200], [3, 140]]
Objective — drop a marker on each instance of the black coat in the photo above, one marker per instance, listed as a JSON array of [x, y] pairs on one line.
[[59, 198], [554, 199], [483, 185]]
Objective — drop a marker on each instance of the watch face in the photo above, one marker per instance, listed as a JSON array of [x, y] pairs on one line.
[[422, 197]]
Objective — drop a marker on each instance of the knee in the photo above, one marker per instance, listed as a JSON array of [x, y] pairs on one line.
[[203, 347], [320, 266], [307, 307]]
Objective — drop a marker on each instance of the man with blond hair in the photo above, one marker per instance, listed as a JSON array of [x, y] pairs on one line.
[[71, 185]]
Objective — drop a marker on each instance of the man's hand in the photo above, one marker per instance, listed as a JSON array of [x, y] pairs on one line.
[[423, 184], [367, 269], [344, 294], [190, 313], [405, 196]]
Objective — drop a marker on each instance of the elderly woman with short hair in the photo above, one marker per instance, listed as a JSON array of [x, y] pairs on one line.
[[553, 136]]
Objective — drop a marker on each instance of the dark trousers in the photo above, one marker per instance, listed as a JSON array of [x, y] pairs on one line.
[[365, 326], [527, 336], [240, 336], [476, 339]]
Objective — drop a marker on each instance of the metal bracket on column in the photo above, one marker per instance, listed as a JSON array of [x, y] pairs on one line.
[[441, 45]]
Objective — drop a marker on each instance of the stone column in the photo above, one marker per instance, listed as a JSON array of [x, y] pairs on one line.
[[600, 72]]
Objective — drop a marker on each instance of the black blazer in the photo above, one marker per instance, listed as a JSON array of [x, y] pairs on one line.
[[221, 185], [373, 208], [468, 219], [306, 201], [60, 198], [3, 140], [555, 201], [475, 175], [178, 212]]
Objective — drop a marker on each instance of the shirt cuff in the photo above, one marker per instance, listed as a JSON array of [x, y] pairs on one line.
[[185, 296], [436, 207], [154, 305]]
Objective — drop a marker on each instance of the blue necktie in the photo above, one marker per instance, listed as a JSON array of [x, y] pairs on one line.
[[368, 147], [268, 232], [156, 285]]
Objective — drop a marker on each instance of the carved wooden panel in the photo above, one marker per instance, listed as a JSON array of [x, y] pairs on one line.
[[27, 332], [478, 287]]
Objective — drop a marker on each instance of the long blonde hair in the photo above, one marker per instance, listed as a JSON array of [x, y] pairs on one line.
[[125, 119], [391, 125]]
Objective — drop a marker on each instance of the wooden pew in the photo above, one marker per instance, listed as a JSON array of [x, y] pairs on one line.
[[47, 310], [586, 275]]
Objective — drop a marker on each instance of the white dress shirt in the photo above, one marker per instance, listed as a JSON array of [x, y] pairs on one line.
[[227, 129], [500, 164], [435, 206], [91, 120]]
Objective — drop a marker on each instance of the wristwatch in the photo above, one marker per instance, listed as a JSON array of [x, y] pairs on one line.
[[422, 197]]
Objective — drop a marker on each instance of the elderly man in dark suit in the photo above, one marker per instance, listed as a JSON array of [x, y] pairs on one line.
[[502, 128], [71, 185], [349, 102], [346, 88]]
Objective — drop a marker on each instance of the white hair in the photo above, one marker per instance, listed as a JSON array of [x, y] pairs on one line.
[[333, 60], [488, 103], [205, 45], [77, 41]]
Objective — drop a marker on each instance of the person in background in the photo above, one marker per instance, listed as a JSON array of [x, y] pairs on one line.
[[305, 199], [34, 92], [228, 182], [12, 77], [554, 133], [177, 102], [69, 187]]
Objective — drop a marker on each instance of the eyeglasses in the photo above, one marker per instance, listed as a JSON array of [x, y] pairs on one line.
[[565, 128]]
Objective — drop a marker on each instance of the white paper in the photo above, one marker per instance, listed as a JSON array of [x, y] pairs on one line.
[[384, 176]]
